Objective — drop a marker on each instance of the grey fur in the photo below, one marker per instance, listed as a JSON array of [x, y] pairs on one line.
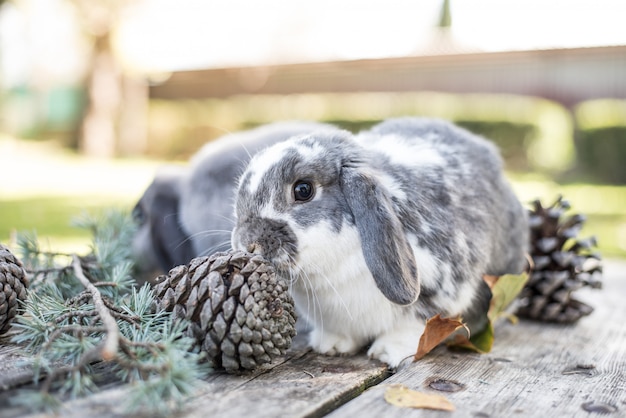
[[208, 194], [386, 249], [160, 241], [482, 202], [187, 211], [461, 211]]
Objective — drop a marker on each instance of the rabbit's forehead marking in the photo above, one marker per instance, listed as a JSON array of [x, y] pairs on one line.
[[263, 163], [267, 210]]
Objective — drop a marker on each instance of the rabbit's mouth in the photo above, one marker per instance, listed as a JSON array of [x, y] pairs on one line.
[[283, 265], [271, 238]]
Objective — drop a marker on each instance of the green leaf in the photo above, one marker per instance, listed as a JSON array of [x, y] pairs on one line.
[[481, 342], [505, 289]]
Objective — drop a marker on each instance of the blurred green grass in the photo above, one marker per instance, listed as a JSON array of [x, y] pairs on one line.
[[61, 187], [52, 218], [46, 187], [603, 205]]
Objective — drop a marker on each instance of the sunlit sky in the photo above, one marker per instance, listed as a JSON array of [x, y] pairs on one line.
[[38, 38]]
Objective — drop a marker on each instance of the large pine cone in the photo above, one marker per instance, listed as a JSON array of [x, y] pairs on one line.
[[13, 285], [240, 311], [562, 265]]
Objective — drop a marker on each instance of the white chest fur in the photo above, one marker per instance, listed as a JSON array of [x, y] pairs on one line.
[[335, 290]]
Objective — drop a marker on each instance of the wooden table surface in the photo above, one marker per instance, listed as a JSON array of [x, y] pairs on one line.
[[534, 370]]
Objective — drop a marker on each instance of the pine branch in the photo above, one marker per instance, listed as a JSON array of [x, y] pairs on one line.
[[111, 341], [86, 359], [84, 310]]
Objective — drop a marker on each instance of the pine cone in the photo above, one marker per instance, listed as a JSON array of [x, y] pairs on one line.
[[562, 265], [240, 311], [13, 284]]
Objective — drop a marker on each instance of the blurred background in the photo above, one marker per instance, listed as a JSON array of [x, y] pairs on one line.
[[95, 95]]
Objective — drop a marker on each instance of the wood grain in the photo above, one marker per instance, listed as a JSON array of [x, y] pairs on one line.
[[534, 370], [301, 384]]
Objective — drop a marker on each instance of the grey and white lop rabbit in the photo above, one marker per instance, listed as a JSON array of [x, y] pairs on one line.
[[378, 232], [187, 210]]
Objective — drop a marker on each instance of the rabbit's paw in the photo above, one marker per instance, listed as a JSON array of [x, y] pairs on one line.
[[332, 344], [392, 348]]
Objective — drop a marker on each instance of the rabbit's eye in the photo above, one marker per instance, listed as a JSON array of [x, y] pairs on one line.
[[303, 191], [138, 215]]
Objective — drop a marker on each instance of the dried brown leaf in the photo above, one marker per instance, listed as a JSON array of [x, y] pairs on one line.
[[400, 395], [436, 331], [479, 342], [490, 280]]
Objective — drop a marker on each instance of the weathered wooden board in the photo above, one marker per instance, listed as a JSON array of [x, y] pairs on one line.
[[303, 384], [533, 370], [311, 385], [13, 371]]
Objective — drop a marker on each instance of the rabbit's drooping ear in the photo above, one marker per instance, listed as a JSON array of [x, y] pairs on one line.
[[160, 240], [386, 249], [170, 242]]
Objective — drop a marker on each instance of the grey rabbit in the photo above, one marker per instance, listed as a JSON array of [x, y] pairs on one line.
[[160, 242], [187, 211], [381, 230]]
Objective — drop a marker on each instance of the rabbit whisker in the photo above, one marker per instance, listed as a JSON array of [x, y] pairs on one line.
[[243, 146], [169, 215], [214, 248], [208, 233], [313, 302], [330, 284], [229, 219]]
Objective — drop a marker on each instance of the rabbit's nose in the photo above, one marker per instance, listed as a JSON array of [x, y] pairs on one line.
[[254, 248]]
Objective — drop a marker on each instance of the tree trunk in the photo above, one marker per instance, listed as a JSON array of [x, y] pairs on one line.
[[99, 125], [133, 120]]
